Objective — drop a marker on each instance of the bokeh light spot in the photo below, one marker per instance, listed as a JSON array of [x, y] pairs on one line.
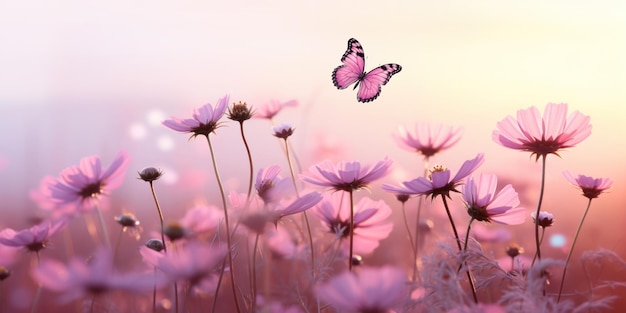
[[155, 117], [137, 131], [165, 143], [558, 241]]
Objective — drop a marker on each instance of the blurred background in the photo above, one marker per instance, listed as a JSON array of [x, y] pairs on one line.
[[91, 78]]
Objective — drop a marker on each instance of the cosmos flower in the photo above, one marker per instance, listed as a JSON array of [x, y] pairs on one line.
[[439, 182], [201, 219], [205, 119], [426, 139], [283, 131], [543, 135], [192, 263], [591, 187], [546, 219], [371, 222], [368, 290], [484, 204], [80, 278], [269, 186], [78, 188], [33, 238], [270, 109], [346, 176]]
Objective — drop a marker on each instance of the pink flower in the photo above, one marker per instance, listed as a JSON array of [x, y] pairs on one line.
[[201, 219], [80, 187], [283, 130], [371, 222], [592, 188], [368, 290], [257, 217], [269, 186], [439, 182], [80, 278], [205, 119], [543, 135], [479, 308], [193, 263], [270, 109], [346, 176], [427, 140], [484, 204], [546, 219], [34, 238]]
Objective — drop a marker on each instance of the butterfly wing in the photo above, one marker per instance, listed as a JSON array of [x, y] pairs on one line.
[[353, 67], [371, 83]]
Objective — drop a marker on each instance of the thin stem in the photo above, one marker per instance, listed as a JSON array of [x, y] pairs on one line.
[[117, 247], [543, 181], [418, 228], [245, 143], [105, 232], [253, 287], [38, 293], [408, 231], [571, 250], [469, 227], [458, 243], [154, 291], [226, 222], [351, 231], [306, 217], [543, 232], [156, 202], [217, 288]]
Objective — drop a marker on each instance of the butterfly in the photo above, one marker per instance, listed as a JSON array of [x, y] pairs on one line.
[[353, 70]]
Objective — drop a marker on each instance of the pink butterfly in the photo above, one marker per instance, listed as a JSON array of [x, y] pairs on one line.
[[353, 70]]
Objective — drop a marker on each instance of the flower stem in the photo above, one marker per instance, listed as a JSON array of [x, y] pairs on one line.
[[306, 218], [253, 282], [227, 226], [413, 248], [543, 181], [38, 293], [156, 202], [105, 232], [458, 243], [245, 143], [571, 250], [351, 231]]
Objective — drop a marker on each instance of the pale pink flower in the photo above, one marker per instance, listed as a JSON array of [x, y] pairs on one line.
[[545, 218], [192, 263], [439, 182], [371, 222], [366, 290], [201, 219], [484, 204], [80, 278], [80, 187], [34, 238], [427, 139], [543, 135], [283, 131], [346, 176], [269, 186], [483, 234], [258, 216], [270, 109], [591, 187], [204, 121]]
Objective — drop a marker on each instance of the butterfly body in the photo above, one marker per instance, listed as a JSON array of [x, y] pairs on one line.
[[352, 71]]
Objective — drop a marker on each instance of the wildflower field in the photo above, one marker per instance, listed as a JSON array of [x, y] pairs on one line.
[[210, 157]]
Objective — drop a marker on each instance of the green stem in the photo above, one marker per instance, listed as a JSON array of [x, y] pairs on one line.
[[539, 202], [226, 222], [156, 202], [245, 143], [351, 229], [458, 243], [413, 248], [306, 218], [571, 250]]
